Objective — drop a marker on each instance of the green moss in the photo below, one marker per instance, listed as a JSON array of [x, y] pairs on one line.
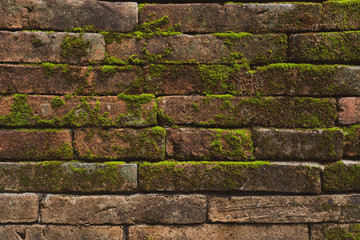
[[57, 102], [339, 177], [65, 151], [20, 113], [231, 38], [49, 69], [335, 233], [36, 42], [74, 47]]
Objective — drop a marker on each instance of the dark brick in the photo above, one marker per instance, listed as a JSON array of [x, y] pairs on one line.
[[342, 177], [352, 141]]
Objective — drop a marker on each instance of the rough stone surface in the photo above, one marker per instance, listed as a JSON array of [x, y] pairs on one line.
[[341, 177], [254, 18], [161, 209], [19, 208], [35, 144], [218, 231], [285, 209], [78, 111], [36, 47], [352, 143], [349, 110], [44, 232], [289, 144], [148, 143], [228, 111], [218, 144], [333, 47], [341, 15], [72, 79], [205, 48], [63, 15], [226, 176], [68, 177], [334, 231]]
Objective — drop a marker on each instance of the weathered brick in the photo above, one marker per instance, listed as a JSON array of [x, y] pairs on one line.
[[219, 231], [285, 209], [190, 143], [229, 111], [162, 209], [36, 47], [60, 79], [229, 176], [35, 144], [342, 177], [68, 177], [35, 110], [19, 208], [146, 143], [352, 141], [43, 232], [63, 15], [289, 144], [339, 47], [270, 80], [254, 18], [334, 231], [341, 15], [203, 48], [349, 110]]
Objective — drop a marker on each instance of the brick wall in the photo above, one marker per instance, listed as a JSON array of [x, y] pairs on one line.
[[121, 120]]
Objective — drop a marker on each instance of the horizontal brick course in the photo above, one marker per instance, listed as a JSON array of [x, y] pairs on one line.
[[148, 143], [174, 209], [285, 209], [35, 144], [219, 231], [203, 49], [287, 144], [68, 177], [19, 208], [229, 111], [37, 47], [226, 176], [63, 15]]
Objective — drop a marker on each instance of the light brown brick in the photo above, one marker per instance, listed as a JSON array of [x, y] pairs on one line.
[[19, 208], [162, 209], [63, 15], [219, 231], [36, 47], [35, 144], [285, 209]]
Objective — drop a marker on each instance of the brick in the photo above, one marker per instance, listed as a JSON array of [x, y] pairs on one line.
[[35, 144], [219, 231], [219, 144], [229, 111], [146, 143], [254, 18], [285, 209], [334, 231], [19, 208], [203, 49], [338, 15], [63, 15], [36, 47], [352, 143], [68, 177], [288, 144], [349, 110], [43, 232], [162, 209], [229, 176], [35, 110], [60, 79], [342, 177], [339, 47]]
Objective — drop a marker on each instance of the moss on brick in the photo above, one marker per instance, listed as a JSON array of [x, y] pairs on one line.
[[351, 232], [74, 47], [339, 177]]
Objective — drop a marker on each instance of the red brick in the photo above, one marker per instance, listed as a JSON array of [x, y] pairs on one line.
[[352, 143], [36, 47], [35, 144], [162, 209], [254, 18], [63, 15], [19, 208], [125, 143], [349, 110], [204, 48]]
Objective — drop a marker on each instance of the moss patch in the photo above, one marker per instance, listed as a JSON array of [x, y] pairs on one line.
[[74, 47], [339, 177]]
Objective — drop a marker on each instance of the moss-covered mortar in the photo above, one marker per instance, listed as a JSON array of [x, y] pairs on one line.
[[55, 176], [228, 176], [341, 177]]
